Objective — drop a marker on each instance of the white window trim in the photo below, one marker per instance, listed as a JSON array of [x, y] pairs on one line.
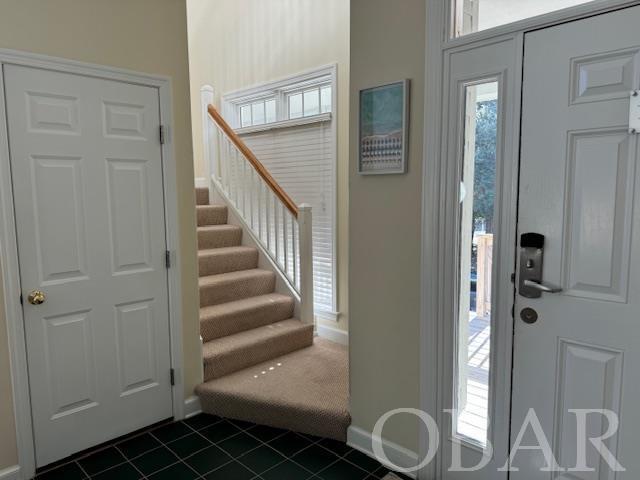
[[281, 87]]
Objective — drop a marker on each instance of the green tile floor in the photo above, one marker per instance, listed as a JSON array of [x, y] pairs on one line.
[[212, 448]]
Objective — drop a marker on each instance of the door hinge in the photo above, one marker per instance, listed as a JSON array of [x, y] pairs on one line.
[[167, 259], [161, 134], [172, 376]]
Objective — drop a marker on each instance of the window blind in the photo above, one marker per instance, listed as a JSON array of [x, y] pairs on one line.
[[301, 159]]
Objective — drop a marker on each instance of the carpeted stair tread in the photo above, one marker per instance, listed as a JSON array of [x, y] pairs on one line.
[[229, 354], [211, 214], [202, 196], [229, 318], [227, 259], [230, 286], [307, 391], [218, 236]]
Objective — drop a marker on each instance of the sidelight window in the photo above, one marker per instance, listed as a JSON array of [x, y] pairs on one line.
[[477, 206]]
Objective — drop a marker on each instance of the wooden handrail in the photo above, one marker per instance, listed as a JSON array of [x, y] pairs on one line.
[[248, 154]]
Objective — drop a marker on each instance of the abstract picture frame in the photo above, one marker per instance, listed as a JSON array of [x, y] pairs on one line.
[[383, 119]]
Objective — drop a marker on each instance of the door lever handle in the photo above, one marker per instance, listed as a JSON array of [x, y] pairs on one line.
[[542, 287]]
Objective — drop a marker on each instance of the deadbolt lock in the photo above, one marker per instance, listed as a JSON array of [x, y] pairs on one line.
[[529, 315]]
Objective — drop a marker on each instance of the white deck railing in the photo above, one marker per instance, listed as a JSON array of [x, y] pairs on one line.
[[282, 228]]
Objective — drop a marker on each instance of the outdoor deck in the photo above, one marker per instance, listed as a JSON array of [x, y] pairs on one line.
[[472, 421]]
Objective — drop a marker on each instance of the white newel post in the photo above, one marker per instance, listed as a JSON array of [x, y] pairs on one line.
[[306, 263], [208, 137]]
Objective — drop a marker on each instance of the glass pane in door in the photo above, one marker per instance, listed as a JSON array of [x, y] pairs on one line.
[[476, 15], [477, 197]]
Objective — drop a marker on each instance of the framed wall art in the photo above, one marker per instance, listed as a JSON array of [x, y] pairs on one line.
[[384, 126]]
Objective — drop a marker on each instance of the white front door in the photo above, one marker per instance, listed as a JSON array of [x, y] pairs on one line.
[[579, 188], [87, 179]]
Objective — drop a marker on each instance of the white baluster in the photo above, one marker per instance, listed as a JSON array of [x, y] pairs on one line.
[[231, 179], [219, 151], [252, 197], [285, 240], [243, 188], [294, 252], [224, 169], [236, 183], [260, 193], [267, 203], [276, 230]]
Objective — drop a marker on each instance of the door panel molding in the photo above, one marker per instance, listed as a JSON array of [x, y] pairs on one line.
[[598, 271], [585, 373], [56, 115]]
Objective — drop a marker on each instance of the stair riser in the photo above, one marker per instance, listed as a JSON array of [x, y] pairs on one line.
[[258, 352], [319, 424], [202, 196], [213, 215], [219, 238], [237, 290], [219, 326], [231, 262]]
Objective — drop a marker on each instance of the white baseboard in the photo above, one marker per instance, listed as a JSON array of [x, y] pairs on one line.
[[400, 456], [333, 334], [201, 182], [192, 406], [10, 473]]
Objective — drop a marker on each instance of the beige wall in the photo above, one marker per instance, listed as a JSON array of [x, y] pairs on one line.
[[235, 44], [387, 44], [142, 35]]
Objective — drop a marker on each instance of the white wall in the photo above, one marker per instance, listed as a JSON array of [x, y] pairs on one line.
[[235, 44], [387, 44], [143, 35]]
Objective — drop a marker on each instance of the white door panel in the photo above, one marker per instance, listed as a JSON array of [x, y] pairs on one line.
[[578, 186], [87, 174]]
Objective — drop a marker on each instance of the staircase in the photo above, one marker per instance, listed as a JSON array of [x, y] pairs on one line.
[[260, 362]]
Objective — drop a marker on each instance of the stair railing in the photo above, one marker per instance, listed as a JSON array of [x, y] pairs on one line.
[[282, 228]]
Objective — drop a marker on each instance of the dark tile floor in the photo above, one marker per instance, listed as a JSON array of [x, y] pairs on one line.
[[212, 448]]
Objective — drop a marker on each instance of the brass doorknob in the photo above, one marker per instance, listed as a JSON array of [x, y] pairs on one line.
[[36, 297]]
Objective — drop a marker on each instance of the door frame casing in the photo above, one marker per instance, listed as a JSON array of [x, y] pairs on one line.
[[9, 245], [439, 227]]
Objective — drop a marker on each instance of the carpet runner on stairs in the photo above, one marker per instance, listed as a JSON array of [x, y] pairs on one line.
[[260, 362]]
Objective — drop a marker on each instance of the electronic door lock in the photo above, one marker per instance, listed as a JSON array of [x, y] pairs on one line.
[[530, 283]]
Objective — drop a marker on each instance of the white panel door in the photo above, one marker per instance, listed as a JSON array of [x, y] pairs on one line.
[[579, 188], [87, 176]]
